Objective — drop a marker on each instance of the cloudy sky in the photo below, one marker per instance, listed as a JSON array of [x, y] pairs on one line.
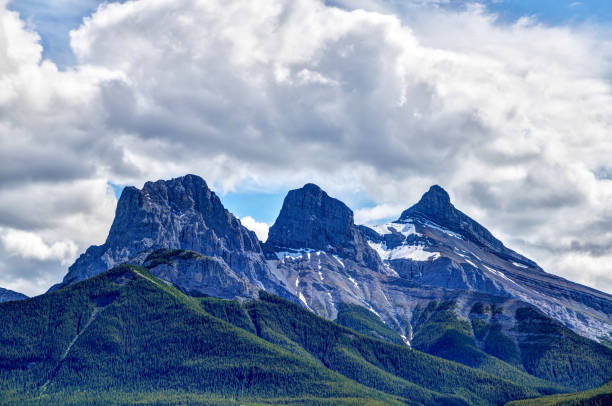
[[506, 104]]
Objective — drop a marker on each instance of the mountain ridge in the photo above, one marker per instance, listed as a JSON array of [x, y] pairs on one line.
[[8, 295], [316, 256]]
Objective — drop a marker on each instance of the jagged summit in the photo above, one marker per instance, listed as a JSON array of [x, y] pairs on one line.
[[312, 188], [180, 213], [176, 213], [311, 219], [436, 206], [435, 197]]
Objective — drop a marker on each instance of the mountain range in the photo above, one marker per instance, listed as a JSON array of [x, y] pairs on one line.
[[432, 290]]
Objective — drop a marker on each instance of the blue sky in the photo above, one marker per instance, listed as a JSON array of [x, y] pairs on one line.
[[53, 21], [553, 11]]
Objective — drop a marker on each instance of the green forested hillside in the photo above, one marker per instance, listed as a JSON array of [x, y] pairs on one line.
[[365, 322], [555, 353], [545, 349], [438, 331], [125, 337], [395, 369], [601, 396]]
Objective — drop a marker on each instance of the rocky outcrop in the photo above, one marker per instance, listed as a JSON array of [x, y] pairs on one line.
[[311, 219], [199, 274], [9, 295], [183, 214]]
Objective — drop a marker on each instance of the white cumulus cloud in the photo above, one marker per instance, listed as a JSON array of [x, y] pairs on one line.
[[30, 245], [260, 228]]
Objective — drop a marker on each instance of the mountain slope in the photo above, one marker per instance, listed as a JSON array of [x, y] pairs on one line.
[[126, 332], [392, 368], [427, 264], [8, 295], [601, 396], [363, 321], [125, 335], [531, 342], [434, 278], [434, 244]]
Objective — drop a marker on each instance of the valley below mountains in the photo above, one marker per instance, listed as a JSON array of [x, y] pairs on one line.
[[182, 304]]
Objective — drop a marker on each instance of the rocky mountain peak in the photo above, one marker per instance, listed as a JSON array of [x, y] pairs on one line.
[[176, 213], [436, 196], [181, 213], [311, 188], [435, 206], [311, 219]]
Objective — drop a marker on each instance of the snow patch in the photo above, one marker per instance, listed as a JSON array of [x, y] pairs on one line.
[[520, 265], [442, 229], [339, 260], [354, 283], [405, 229], [412, 252], [471, 263], [293, 254], [500, 274], [303, 300], [320, 274], [370, 308]]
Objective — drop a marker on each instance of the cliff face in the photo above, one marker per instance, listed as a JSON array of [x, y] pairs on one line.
[[178, 214], [311, 219]]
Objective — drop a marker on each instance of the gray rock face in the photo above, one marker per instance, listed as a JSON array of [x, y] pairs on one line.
[[434, 244], [311, 219], [181, 213], [199, 274], [9, 295], [435, 206]]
